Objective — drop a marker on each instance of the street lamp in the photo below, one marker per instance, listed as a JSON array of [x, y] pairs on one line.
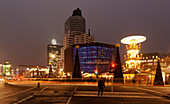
[[50, 70], [37, 71], [17, 73], [61, 72], [53, 56]]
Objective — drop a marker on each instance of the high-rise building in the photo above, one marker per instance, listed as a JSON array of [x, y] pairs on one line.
[[53, 54], [75, 32], [77, 39], [75, 24]]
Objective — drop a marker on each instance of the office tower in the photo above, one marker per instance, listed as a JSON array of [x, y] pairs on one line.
[[53, 54], [75, 32], [75, 24]]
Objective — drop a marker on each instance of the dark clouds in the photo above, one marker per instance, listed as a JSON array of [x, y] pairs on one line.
[[27, 26]]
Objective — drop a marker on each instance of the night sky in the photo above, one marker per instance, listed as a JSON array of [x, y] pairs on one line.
[[27, 26]]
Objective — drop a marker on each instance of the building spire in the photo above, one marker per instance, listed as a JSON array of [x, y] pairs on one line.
[[89, 33]]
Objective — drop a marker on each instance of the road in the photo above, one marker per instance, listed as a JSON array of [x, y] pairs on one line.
[[22, 93]]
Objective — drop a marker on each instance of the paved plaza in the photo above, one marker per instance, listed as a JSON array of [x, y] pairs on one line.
[[53, 93]]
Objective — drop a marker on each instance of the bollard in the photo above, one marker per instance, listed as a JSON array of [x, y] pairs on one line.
[[38, 86]]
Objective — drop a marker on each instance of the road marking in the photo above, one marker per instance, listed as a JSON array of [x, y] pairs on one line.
[[115, 94], [29, 97], [110, 93], [44, 88], [149, 90], [17, 93], [119, 96], [71, 96], [70, 84]]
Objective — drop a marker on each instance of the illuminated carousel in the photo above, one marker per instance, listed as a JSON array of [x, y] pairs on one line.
[[133, 46]]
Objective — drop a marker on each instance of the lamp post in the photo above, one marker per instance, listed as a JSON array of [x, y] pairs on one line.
[[61, 72], [50, 70], [37, 71], [97, 67]]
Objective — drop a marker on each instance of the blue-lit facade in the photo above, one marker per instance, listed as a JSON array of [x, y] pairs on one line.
[[94, 56]]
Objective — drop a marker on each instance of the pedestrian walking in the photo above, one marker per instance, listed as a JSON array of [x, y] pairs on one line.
[[101, 85]]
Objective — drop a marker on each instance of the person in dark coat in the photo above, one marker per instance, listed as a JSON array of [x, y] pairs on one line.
[[101, 85]]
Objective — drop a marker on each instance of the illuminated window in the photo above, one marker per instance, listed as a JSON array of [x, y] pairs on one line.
[[153, 56], [156, 56], [150, 60], [146, 57]]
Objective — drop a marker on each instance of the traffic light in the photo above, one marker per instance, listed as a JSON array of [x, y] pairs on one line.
[[112, 67], [96, 71]]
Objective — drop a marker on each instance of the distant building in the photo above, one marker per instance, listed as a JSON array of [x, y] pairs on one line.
[[92, 56], [30, 71], [6, 69], [22, 70], [54, 54], [75, 32], [167, 60], [1, 69], [38, 72], [150, 60]]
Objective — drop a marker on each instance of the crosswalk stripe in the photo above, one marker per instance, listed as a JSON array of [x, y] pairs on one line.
[[95, 92], [115, 94], [120, 96]]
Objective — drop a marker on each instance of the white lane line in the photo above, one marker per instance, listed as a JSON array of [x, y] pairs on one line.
[[149, 90], [110, 93], [29, 97], [70, 84], [71, 96], [17, 93], [44, 88], [119, 96]]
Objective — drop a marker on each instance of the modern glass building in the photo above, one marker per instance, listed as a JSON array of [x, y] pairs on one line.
[[53, 54], [7, 68], [92, 56]]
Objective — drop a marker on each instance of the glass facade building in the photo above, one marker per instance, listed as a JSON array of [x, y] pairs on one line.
[[53, 54], [93, 56]]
